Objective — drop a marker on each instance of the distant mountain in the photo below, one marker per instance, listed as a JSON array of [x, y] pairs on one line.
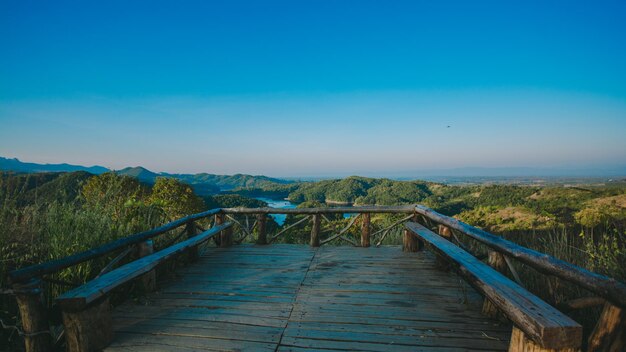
[[226, 182], [140, 173], [203, 183], [16, 165]]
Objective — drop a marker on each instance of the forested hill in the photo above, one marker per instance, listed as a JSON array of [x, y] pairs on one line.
[[15, 165], [203, 183]]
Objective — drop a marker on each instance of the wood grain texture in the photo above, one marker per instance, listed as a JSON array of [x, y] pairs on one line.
[[297, 298], [539, 321], [315, 230], [78, 298], [53, 266], [34, 316], [365, 230], [606, 287], [609, 333]]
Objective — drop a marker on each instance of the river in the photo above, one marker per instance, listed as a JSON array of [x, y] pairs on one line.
[[283, 204], [280, 204]]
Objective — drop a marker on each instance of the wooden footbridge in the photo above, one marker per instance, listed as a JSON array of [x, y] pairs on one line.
[[317, 297]]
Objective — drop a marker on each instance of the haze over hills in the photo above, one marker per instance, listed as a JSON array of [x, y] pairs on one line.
[[16, 165], [206, 183], [202, 183]]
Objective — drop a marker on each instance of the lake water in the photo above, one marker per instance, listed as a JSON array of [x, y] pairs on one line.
[[280, 204], [283, 204]]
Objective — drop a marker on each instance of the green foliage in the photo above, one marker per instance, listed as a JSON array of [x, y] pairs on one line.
[[232, 201], [362, 191], [175, 198]]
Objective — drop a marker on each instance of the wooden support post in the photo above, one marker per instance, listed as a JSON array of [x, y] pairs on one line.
[[226, 236], [192, 254], [34, 316], [445, 232], [521, 343], [147, 280], [609, 333], [410, 242], [365, 230], [90, 329], [315, 230], [496, 261], [261, 222]]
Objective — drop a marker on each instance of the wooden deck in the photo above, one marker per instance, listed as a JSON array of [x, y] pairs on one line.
[[297, 298]]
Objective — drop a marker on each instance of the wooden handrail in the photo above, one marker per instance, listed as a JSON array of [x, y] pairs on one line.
[[604, 286], [38, 270], [80, 297], [330, 210], [538, 320]]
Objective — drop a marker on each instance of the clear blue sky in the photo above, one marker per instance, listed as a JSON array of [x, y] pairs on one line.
[[296, 88]]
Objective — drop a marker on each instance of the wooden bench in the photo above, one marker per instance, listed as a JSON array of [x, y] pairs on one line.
[[86, 313], [534, 319]]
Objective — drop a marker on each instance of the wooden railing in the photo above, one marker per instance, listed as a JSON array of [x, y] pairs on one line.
[[82, 304]]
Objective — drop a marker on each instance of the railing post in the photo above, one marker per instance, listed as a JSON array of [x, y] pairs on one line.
[[365, 230], [34, 316], [226, 236], [315, 230], [609, 333], [446, 233], [410, 242], [261, 222], [90, 329], [496, 261], [192, 253], [148, 280]]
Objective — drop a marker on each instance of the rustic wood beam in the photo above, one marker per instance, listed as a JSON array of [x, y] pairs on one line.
[[315, 230], [496, 261], [90, 329], [330, 210], [543, 324], [53, 266], [148, 280], [261, 229], [78, 298], [192, 252], [609, 288], [34, 314], [365, 230], [288, 227], [609, 333], [226, 236], [521, 343], [411, 243]]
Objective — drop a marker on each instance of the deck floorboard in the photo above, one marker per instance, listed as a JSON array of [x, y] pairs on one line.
[[295, 298]]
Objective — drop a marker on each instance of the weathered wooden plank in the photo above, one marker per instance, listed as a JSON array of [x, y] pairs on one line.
[[205, 329], [425, 339], [375, 296], [80, 297], [56, 265], [539, 321], [606, 287], [150, 342]]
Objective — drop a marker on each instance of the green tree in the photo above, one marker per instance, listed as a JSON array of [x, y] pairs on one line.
[[175, 198]]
